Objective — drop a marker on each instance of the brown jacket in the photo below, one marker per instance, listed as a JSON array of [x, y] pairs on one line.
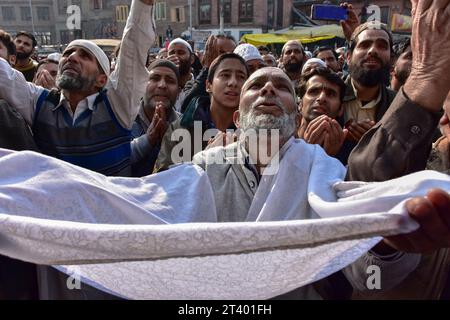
[[398, 145]]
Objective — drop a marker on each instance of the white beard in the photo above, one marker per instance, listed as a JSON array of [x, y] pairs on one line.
[[285, 124]]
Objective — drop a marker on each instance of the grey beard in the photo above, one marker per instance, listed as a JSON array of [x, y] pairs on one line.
[[286, 124], [74, 83]]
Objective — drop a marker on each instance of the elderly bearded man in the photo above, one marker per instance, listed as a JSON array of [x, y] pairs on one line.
[[88, 123], [268, 102]]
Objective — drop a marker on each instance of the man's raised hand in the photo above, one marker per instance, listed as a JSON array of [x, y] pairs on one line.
[[433, 214], [429, 81], [352, 22], [148, 2]]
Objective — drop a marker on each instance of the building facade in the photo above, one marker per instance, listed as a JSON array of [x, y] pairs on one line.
[[100, 19], [173, 17], [106, 18], [38, 18], [387, 7]]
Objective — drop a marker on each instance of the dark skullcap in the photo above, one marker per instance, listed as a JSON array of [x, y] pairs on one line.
[[167, 64]]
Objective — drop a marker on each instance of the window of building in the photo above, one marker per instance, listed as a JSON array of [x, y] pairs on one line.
[[246, 11], [44, 38], [280, 14], [122, 13], [43, 13], [8, 14], [68, 36], [385, 14], [177, 14], [62, 6], [160, 12], [25, 13], [97, 4], [204, 16], [270, 13], [76, 3], [226, 11]]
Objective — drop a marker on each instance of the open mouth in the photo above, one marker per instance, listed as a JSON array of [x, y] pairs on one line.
[[232, 94], [70, 69], [372, 62], [320, 110], [269, 108], [159, 97]]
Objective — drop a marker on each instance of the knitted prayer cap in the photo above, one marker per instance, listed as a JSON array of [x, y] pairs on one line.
[[94, 49], [183, 42], [313, 61], [248, 52], [167, 64]]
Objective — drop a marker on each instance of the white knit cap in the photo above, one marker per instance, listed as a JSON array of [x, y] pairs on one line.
[[248, 52], [54, 56], [313, 61], [95, 50], [181, 41]]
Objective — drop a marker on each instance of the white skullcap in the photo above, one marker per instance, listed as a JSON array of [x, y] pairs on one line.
[[101, 57], [313, 61], [54, 56], [181, 41], [248, 52]]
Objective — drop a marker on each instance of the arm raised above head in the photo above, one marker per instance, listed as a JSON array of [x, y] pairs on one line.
[[128, 81]]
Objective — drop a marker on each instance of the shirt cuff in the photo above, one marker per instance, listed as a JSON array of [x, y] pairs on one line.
[[140, 148], [410, 123], [141, 14]]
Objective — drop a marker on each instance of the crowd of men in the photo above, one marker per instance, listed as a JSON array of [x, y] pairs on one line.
[[381, 108]]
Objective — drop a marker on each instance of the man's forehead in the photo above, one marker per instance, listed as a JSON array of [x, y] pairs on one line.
[[24, 38], [269, 73], [325, 53], [76, 47], [292, 45], [230, 63], [163, 71], [318, 81], [222, 41], [49, 66], [373, 34]]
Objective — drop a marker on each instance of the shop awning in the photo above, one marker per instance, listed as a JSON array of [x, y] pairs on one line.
[[303, 34]]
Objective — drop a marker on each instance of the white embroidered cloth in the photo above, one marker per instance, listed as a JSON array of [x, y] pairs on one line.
[[124, 235]]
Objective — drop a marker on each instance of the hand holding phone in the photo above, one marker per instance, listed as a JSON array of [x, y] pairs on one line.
[[328, 12]]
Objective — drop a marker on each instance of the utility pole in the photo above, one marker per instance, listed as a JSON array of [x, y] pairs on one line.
[[221, 17], [190, 18], [32, 19]]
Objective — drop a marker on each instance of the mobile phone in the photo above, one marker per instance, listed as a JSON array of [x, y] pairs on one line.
[[328, 12]]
